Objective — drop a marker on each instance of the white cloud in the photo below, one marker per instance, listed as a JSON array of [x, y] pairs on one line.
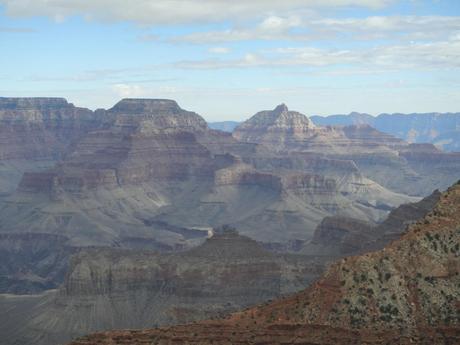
[[407, 27], [271, 28], [135, 90], [128, 91], [219, 50], [375, 27], [433, 55], [154, 12]]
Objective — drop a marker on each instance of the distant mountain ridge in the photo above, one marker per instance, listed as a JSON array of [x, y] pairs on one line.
[[440, 129]]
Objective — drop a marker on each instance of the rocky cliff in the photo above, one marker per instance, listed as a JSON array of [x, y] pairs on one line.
[[406, 293]]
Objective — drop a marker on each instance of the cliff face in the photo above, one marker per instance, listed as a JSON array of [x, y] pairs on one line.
[[36, 132], [408, 292], [41, 128], [113, 288]]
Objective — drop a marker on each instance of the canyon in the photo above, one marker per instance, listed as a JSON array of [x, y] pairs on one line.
[[113, 288], [147, 174], [124, 218]]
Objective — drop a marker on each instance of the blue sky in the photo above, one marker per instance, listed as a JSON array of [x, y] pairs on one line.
[[228, 60]]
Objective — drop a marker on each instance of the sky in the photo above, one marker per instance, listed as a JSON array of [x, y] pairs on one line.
[[226, 60]]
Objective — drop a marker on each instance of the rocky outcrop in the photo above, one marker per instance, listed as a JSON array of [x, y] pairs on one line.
[[408, 292]]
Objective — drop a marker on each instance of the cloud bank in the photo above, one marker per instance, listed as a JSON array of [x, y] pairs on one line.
[[160, 12]]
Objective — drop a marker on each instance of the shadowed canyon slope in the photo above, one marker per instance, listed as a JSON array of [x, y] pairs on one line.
[[406, 293]]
